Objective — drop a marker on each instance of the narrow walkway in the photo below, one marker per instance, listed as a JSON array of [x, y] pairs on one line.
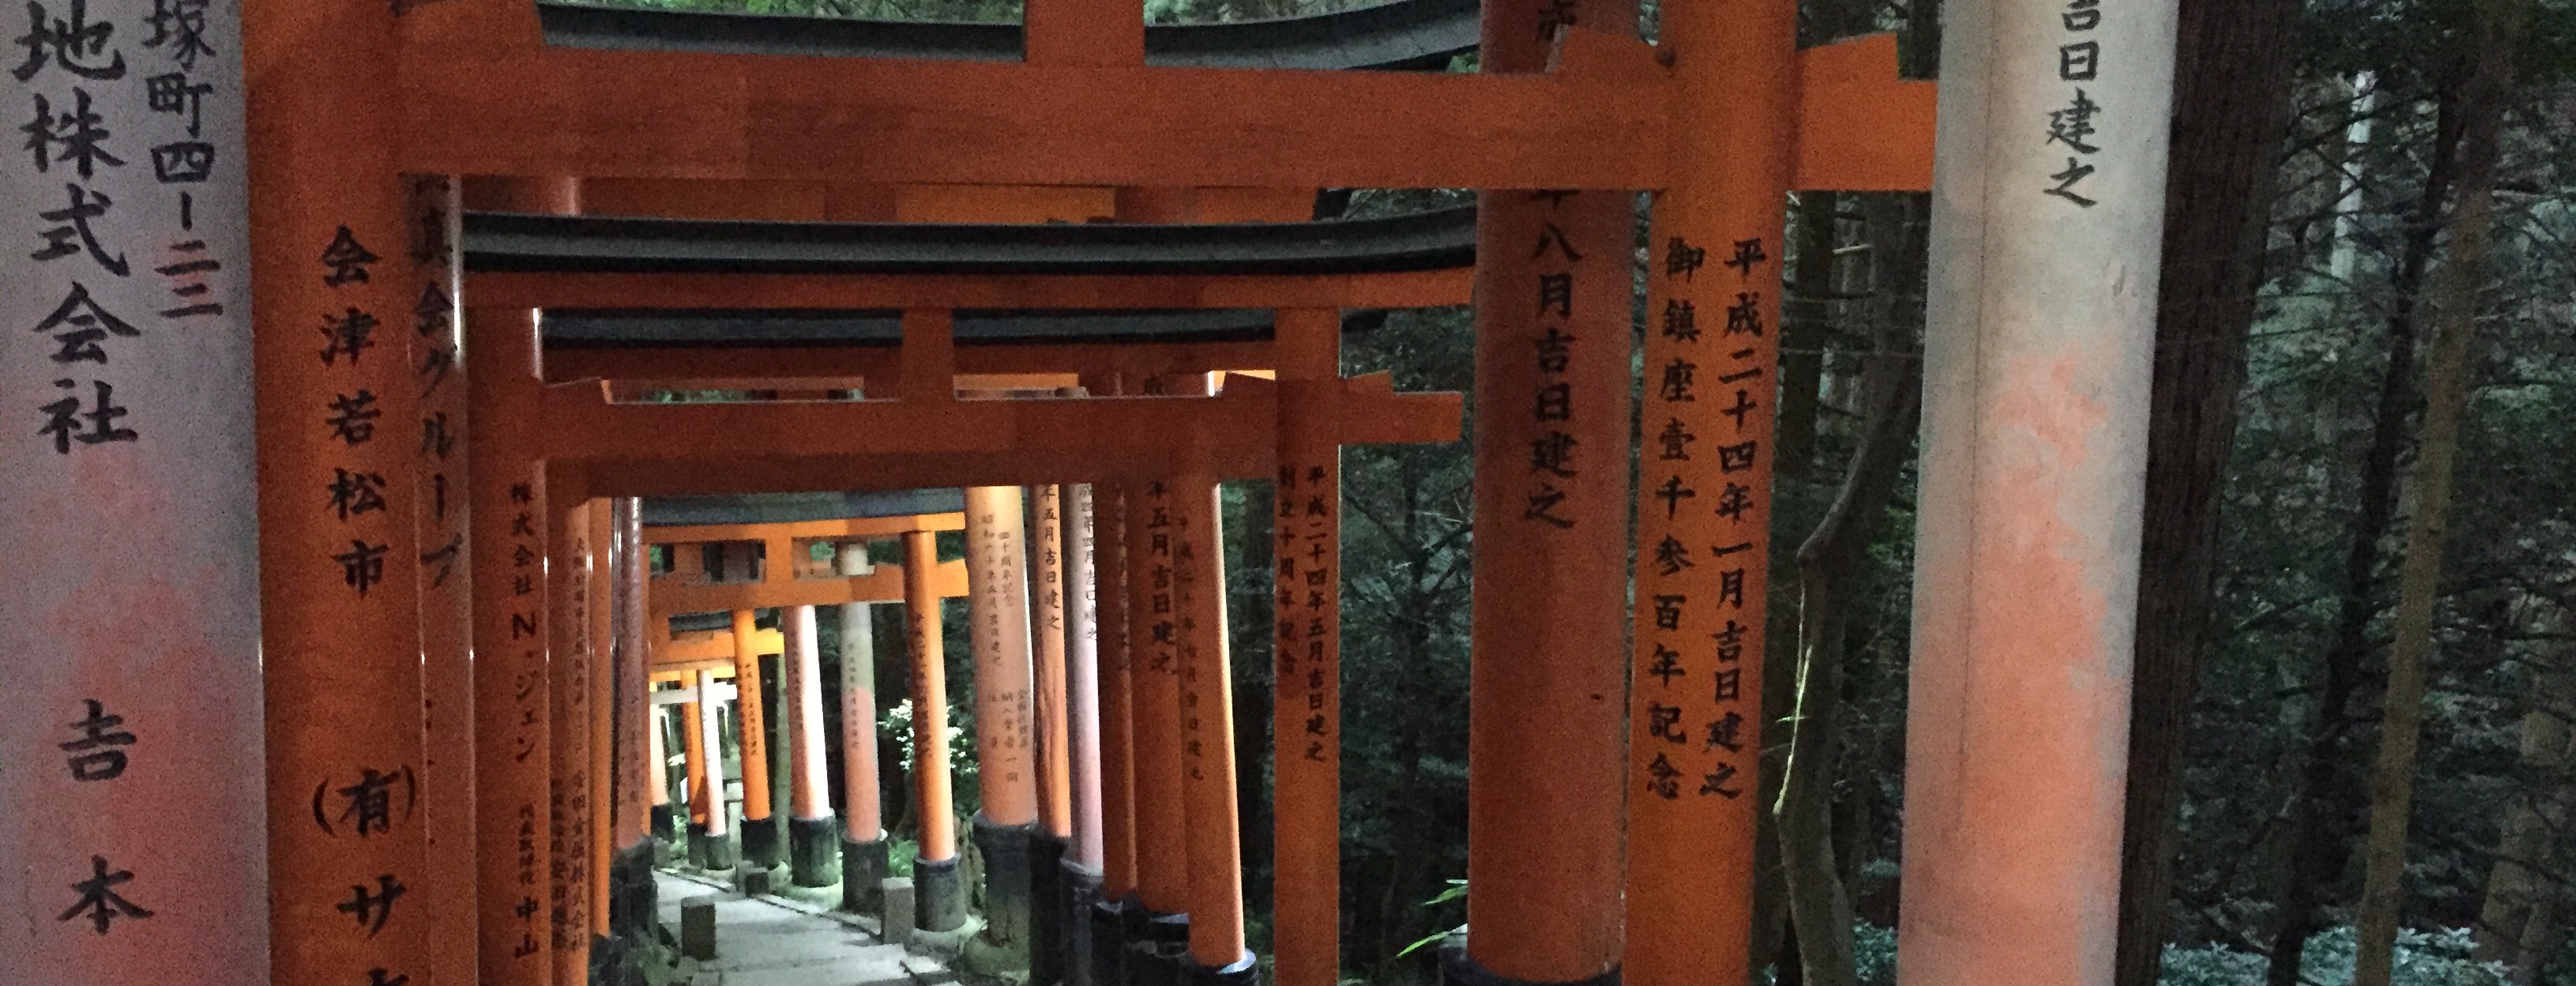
[[764, 941]]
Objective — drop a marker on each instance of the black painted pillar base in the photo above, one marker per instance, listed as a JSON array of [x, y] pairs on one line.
[[814, 851], [760, 848], [664, 818], [1245, 971], [709, 852], [1456, 969], [864, 867], [1006, 882], [1081, 895], [634, 901], [938, 895], [1157, 945], [1048, 902], [1108, 919]]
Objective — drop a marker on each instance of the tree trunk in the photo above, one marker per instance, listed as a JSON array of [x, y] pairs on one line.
[[2320, 821], [1805, 323], [1832, 566], [2516, 925], [2446, 401], [2231, 112]]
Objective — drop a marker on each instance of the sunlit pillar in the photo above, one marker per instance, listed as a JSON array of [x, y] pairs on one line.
[[2038, 351], [1158, 927], [814, 838], [131, 846], [863, 841], [939, 890], [751, 725], [1006, 766], [1082, 862]]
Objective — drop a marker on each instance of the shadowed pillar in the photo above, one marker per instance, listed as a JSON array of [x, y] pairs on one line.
[[710, 846], [2038, 351], [939, 890], [1054, 832], [446, 575], [751, 725], [1306, 882], [130, 624], [633, 900], [1117, 766], [1006, 765], [340, 619], [863, 841], [574, 667], [1216, 952], [514, 757], [814, 842], [1548, 678]]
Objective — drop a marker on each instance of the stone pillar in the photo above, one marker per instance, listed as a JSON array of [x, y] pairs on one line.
[[2037, 358], [507, 512], [710, 843], [1553, 365], [1049, 842], [130, 830], [1704, 495], [1082, 861], [1307, 658], [574, 664], [1006, 769], [863, 842], [814, 837], [337, 404], [939, 889], [759, 832], [1216, 952]]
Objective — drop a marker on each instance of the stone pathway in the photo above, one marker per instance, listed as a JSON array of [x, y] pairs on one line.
[[766, 941]]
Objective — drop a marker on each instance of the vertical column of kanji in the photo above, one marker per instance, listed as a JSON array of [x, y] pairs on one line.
[[1545, 753], [1704, 493], [339, 581], [1216, 952], [939, 890], [2048, 198], [506, 517], [568, 783], [446, 579], [131, 644], [1306, 725], [1053, 758], [1082, 861], [1158, 927], [638, 779], [1006, 769]]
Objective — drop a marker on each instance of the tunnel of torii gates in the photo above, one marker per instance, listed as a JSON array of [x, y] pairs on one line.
[[335, 333]]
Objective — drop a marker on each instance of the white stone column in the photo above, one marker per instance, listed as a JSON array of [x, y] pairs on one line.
[[131, 833], [2048, 206]]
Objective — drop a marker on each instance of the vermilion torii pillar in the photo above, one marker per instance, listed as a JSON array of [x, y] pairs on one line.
[[708, 825], [633, 900], [1082, 863], [814, 842], [1544, 762], [863, 841], [939, 890], [569, 780], [1054, 761], [2038, 352], [508, 541], [435, 346], [1306, 881], [339, 586], [129, 834], [1157, 929], [751, 726], [1216, 952], [1006, 769], [1117, 730]]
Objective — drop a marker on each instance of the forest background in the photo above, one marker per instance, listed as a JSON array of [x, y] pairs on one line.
[[2322, 152]]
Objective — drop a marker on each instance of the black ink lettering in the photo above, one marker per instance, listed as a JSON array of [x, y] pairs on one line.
[[1556, 294], [2075, 171], [99, 899], [74, 137], [356, 493], [1555, 402], [1554, 236], [1734, 501], [362, 566], [73, 43], [347, 259], [2070, 126], [1683, 260], [1553, 452], [1748, 254], [1542, 506], [1671, 557], [183, 22], [373, 909], [2079, 62], [444, 558], [1726, 734], [1737, 457], [84, 326], [1660, 775], [85, 206], [1555, 350], [350, 334], [1664, 722], [353, 417], [1672, 492], [1745, 316], [1677, 381], [1668, 612], [1676, 440], [63, 417], [185, 162], [1681, 321], [1716, 783], [1667, 665], [2082, 15], [95, 757]]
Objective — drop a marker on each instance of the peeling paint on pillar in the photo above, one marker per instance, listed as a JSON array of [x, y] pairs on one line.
[[133, 751], [2045, 236]]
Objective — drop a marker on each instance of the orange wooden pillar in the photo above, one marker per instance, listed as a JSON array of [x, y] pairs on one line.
[[131, 813], [1712, 304], [600, 578], [446, 577], [1006, 765], [863, 842], [710, 845], [1118, 869], [1215, 833], [636, 730], [939, 890], [1545, 753], [569, 788], [1054, 756], [813, 834], [1306, 881], [759, 838], [341, 644], [1161, 924], [508, 542]]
